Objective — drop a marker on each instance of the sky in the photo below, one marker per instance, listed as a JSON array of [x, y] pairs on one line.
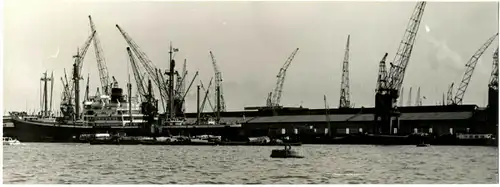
[[250, 40]]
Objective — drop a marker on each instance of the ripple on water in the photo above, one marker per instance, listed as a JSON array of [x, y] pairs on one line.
[[347, 164]]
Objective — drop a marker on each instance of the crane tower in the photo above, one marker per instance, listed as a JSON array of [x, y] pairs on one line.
[[345, 100]]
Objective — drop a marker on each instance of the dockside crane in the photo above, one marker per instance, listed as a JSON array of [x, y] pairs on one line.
[[492, 107], [146, 62], [345, 99], [221, 104], [469, 70], [139, 81], [275, 96], [493, 83], [101, 61], [390, 84], [382, 74]]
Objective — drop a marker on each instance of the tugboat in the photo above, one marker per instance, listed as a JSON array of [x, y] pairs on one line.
[[285, 153]]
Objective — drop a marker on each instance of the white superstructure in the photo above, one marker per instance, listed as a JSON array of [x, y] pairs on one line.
[[112, 111]]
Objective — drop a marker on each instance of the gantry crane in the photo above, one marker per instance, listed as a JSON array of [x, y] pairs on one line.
[[275, 96], [101, 62], [345, 100], [469, 70], [221, 104], [389, 83]]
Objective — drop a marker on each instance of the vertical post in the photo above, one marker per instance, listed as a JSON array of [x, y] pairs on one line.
[[43, 98], [130, 101], [76, 80], [198, 105], [171, 85], [51, 91], [217, 115]]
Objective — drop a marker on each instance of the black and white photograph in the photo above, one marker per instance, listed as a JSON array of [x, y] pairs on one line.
[[163, 92]]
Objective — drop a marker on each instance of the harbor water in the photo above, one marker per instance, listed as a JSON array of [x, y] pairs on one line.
[[47, 163]]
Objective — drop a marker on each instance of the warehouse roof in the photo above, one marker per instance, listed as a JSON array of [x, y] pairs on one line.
[[342, 117], [224, 119], [360, 117]]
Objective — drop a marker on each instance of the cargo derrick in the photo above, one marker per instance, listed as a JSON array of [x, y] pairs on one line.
[[139, 81], [86, 97], [101, 62], [67, 107], [149, 105], [148, 66], [66, 94], [181, 86], [219, 94], [207, 91], [182, 98], [449, 94], [469, 70], [273, 100], [390, 84], [345, 100], [493, 92], [179, 89]]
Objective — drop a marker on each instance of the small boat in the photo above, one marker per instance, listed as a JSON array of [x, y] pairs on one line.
[[10, 141], [423, 145], [285, 153]]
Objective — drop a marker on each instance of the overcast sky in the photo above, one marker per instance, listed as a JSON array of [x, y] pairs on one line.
[[251, 41]]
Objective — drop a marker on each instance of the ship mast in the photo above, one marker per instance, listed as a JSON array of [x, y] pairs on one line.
[[45, 108], [76, 81], [171, 82], [129, 86]]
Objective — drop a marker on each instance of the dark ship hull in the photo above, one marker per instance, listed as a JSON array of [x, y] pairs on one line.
[[43, 131]]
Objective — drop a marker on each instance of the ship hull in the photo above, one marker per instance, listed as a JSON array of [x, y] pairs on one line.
[[37, 131]]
